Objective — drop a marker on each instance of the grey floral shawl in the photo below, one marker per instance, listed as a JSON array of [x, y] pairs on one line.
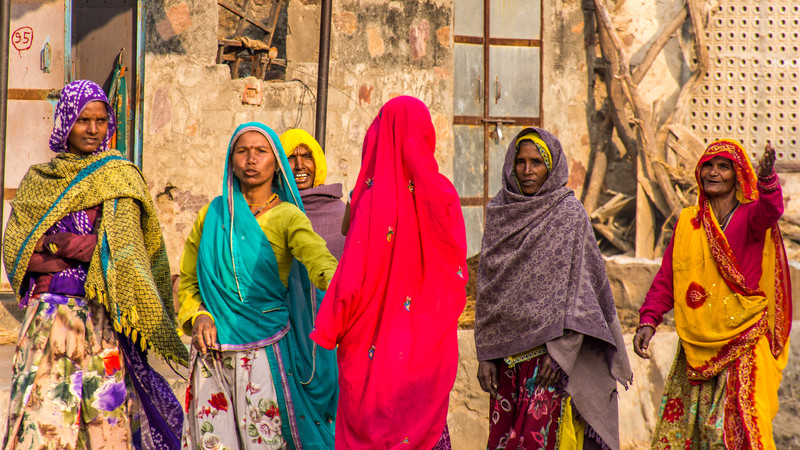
[[541, 280]]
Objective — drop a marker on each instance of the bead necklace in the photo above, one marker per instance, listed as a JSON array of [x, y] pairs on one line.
[[271, 199]]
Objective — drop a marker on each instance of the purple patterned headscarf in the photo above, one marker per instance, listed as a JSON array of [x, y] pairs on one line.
[[74, 97]]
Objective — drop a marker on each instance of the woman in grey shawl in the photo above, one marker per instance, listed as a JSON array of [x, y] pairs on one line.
[[547, 334]]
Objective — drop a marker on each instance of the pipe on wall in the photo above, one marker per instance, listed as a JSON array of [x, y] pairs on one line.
[[322, 72], [5, 31]]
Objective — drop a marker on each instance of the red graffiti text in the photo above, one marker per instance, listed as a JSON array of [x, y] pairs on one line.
[[22, 38]]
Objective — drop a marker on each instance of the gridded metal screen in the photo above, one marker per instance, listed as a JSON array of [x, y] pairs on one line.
[[751, 90]]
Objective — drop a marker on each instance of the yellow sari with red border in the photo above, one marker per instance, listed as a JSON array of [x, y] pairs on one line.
[[722, 322]]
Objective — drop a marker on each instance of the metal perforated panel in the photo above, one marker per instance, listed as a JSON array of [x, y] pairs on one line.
[[751, 90]]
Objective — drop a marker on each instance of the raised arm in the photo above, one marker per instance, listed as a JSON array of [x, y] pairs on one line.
[[769, 207]]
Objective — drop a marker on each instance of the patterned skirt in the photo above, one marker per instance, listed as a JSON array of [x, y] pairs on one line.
[[231, 402], [529, 417], [732, 410], [77, 384]]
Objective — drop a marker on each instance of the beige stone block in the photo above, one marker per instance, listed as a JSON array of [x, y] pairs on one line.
[[630, 279], [639, 405], [468, 415], [794, 273]]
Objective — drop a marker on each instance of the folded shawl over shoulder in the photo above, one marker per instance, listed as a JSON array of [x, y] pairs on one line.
[[129, 271], [394, 302], [541, 279]]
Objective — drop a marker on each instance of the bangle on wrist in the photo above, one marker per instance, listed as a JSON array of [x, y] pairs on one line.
[[646, 325], [201, 313]]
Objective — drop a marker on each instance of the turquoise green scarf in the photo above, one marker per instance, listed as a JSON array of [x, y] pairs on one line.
[[241, 287]]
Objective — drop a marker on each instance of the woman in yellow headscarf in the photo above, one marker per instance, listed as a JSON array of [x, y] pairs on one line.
[[726, 275], [323, 202]]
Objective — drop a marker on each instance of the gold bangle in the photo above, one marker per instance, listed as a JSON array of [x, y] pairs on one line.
[[201, 313]]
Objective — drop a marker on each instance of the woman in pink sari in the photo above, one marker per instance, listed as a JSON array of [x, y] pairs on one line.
[[393, 305]]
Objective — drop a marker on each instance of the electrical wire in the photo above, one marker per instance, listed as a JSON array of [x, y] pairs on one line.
[[310, 75]]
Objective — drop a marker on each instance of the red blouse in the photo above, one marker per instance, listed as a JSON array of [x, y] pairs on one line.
[[71, 250], [745, 233]]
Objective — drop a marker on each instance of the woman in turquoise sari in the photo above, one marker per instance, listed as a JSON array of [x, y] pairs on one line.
[[250, 275]]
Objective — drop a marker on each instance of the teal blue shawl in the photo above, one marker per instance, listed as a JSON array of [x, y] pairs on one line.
[[241, 287]]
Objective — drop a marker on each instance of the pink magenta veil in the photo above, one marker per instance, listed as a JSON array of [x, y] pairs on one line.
[[394, 302]]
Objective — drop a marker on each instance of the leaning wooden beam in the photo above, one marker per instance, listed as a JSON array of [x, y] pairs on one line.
[[658, 45], [645, 235], [629, 87], [612, 207], [612, 236], [616, 97], [599, 166], [701, 55]]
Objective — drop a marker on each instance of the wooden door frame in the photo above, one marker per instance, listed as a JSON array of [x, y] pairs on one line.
[[137, 100]]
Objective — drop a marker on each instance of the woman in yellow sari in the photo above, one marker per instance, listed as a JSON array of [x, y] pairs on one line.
[[725, 274]]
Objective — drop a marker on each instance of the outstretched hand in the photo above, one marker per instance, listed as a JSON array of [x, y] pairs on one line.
[[641, 342], [767, 161]]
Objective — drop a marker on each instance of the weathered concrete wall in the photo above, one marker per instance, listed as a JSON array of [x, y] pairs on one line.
[[191, 108], [566, 97], [379, 50]]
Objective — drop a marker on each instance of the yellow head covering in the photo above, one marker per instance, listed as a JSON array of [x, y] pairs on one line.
[[543, 150], [294, 137]]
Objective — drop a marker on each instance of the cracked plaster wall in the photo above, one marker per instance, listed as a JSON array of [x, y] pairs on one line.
[[379, 50]]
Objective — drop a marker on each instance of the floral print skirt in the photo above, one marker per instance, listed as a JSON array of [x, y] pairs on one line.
[[69, 388], [231, 402], [692, 415], [529, 417]]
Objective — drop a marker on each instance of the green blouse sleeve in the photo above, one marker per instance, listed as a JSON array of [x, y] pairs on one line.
[[310, 249], [188, 287]]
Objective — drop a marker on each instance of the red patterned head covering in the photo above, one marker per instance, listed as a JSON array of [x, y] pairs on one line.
[[746, 191]]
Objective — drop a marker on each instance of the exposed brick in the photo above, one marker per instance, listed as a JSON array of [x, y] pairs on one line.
[[345, 23], [441, 73], [418, 38], [443, 36], [374, 42], [577, 175], [364, 94], [162, 110]]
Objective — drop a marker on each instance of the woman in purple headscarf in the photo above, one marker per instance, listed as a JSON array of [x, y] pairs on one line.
[[87, 262], [549, 342]]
